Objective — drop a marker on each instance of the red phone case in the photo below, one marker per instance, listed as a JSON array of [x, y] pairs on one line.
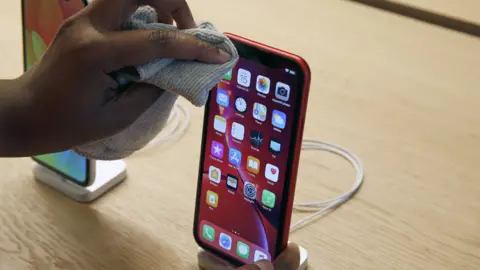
[[297, 144], [301, 118]]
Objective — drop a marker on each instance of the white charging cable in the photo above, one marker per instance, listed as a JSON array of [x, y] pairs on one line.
[[175, 129], [174, 126], [323, 206]]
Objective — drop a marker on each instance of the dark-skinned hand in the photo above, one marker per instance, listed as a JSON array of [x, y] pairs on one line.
[[289, 259], [69, 95]]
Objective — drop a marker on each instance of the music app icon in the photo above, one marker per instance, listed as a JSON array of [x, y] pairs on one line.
[[259, 255]]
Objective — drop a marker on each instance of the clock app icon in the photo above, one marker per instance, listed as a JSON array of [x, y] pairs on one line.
[[241, 104]]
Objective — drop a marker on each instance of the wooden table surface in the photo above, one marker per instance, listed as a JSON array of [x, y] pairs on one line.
[[404, 96], [468, 10]]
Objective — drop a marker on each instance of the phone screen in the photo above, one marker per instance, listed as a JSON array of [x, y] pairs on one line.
[[41, 20], [250, 126]]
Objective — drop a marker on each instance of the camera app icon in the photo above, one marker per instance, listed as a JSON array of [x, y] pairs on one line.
[[282, 91]]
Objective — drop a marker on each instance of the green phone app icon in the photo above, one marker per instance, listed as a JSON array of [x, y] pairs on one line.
[[208, 233], [243, 250], [228, 75], [268, 198]]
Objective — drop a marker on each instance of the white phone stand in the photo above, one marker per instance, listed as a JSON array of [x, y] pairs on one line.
[[108, 174], [209, 261]]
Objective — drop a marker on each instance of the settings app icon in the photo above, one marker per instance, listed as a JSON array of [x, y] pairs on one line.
[[250, 191]]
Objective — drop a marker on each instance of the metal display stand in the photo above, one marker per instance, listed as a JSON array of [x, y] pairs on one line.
[[108, 174], [209, 261]]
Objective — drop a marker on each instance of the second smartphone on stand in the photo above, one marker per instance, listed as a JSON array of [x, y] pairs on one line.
[[80, 178], [41, 20]]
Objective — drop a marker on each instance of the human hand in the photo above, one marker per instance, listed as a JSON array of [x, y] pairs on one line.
[[289, 259], [69, 95]]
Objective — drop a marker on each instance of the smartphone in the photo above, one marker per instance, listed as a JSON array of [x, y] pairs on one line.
[[251, 141], [41, 20]]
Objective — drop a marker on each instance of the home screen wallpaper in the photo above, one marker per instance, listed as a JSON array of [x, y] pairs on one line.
[[42, 18], [250, 124]]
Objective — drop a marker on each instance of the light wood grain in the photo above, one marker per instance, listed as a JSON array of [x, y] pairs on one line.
[[404, 96], [463, 9]]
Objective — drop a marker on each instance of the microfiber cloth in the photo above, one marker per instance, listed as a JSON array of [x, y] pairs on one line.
[[192, 80]]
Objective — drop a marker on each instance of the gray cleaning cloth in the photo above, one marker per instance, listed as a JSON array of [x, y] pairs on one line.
[[190, 79]]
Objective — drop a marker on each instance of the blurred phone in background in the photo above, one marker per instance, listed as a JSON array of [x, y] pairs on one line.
[[41, 20]]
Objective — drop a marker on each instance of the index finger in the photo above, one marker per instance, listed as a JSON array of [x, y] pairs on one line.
[[181, 13], [111, 14]]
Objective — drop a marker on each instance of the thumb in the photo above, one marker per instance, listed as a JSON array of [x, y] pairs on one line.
[[289, 259], [131, 48], [121, 111]]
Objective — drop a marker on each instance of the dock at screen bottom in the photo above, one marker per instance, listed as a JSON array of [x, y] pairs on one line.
[[231, 244]]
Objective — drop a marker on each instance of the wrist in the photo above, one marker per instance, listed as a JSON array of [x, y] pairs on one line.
[[16, 132]]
